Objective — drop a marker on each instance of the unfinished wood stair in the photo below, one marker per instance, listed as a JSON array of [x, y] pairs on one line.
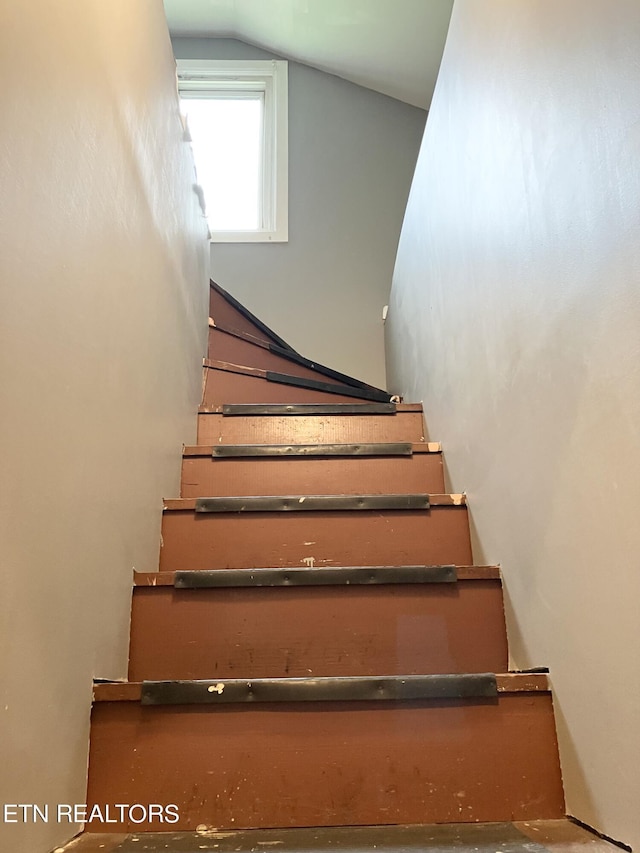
[[317, 648]]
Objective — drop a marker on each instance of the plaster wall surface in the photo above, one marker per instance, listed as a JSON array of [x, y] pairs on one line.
[[515, 316], [103, 323], [352, 153]]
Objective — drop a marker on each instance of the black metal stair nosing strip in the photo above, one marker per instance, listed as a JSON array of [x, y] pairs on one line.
[[327, 387], [534, 670], [232, 451], [251, 317], [297, 577], [337, 689], [321, 368], [312, 503], [261, 409]]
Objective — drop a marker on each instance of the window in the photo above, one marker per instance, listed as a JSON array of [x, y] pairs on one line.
[[237, 116]]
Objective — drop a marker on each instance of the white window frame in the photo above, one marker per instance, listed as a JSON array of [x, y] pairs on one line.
[[269, 77]]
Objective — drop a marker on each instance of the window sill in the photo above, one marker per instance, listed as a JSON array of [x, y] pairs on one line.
[[280, 236]]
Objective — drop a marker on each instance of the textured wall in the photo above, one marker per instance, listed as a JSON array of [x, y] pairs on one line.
[[102, 328], [352, 153], [515, 315]]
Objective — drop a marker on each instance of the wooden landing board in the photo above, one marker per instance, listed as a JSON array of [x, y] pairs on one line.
[[275, 632], [236, 540], [333, 763]]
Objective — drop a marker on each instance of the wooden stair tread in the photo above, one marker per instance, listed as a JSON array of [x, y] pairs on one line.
[[317, 622], [311, 469], [231, 308], [310, 424], [266, 373], [234, 341], [239, 383], [358, 762], [221, 540]]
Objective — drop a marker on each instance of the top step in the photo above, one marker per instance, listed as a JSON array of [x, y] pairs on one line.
[[238, 336]]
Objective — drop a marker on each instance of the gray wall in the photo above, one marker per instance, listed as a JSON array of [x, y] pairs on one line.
[[103, 325], [515, 315], [352, 153]]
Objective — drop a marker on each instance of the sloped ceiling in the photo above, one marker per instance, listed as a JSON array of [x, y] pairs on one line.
[[391, 46]]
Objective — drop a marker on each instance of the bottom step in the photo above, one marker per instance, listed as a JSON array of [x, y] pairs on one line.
[[452, 838], [296, 764]]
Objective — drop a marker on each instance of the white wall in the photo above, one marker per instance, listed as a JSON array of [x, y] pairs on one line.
[[103, 320], [352, 153], [515, 315]]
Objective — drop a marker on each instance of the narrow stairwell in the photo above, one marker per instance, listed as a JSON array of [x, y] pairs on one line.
[[317, 648]]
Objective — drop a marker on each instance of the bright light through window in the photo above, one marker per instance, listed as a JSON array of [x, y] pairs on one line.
[[237, 115], [227, 147]]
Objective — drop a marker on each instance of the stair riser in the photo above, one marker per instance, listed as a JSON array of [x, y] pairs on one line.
[[323, 764], [226, 315], [413, 629], [310, 429], [283, 539], [207, 477], [222, 386], [224, 347]]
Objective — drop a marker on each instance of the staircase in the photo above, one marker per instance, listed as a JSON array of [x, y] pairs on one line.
[[317, 648]]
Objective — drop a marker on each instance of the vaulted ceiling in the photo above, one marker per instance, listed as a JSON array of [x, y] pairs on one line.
[[391, 46]]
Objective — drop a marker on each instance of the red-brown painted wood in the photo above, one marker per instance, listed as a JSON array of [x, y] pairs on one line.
[[274, 632], [357, 538], [329, 763], [227, 347], [223, 386], [324, 764], [226, 315], [214, 428], [365, 475]]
